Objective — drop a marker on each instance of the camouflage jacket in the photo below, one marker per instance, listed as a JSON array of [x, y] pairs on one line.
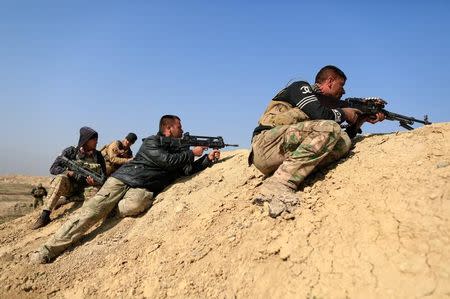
[[299, 102], [39, 192]]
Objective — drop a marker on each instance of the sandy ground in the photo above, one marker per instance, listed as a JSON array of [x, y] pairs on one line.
[[15, 197], [374, 225]]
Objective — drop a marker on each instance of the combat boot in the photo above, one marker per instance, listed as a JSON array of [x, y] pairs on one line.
[[43, 220], [39, 257], [280, 198]]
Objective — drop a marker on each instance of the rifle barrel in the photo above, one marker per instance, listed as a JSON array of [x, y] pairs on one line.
[[407, 119]]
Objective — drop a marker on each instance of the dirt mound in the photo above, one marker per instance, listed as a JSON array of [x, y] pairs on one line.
[[375, 225]]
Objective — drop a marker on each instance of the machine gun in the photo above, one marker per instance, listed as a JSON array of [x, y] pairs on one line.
[[72, 165], [371, 106]]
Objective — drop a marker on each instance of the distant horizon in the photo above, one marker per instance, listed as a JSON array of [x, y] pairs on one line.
[[118, 67]]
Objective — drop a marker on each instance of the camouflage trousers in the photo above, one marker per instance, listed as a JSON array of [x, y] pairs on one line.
[[38, 201], [292, 152], [114, 193], [61, 185]]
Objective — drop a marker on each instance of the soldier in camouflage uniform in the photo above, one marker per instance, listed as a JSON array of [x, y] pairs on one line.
[[66, 183], [118, 153], [300, 131], [38, 193]]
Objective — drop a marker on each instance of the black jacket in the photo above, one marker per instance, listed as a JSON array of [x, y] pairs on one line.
[[157, 164], [312, 102], [70, 153]]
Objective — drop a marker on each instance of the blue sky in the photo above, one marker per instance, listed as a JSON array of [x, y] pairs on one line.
[[118, 66]]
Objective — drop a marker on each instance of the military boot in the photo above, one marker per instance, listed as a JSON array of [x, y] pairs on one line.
[[279, 197], [43, 220], [40, 256]]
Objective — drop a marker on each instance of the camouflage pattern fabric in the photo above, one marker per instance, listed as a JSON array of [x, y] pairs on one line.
[[91, 165], [61, 185], [38, 192], [292, 152], [37, 202]]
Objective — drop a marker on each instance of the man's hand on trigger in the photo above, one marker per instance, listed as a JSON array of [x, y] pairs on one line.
[[198, 150], [376, 118], [214, 155], [370, 119]]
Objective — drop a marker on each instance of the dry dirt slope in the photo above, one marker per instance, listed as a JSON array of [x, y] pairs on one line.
[[15, 197], [376, 225]]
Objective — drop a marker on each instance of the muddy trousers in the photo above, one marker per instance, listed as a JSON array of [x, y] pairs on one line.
[[292, 152], [129, 201]]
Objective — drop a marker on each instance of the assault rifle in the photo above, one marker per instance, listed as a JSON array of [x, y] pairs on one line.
[[371, 106], [206, 141], [72, 165], [191, 140]]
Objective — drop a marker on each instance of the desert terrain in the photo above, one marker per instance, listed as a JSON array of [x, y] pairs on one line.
[[15, 197], [374, 225]]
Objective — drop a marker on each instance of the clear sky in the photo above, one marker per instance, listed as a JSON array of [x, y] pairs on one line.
[[117, 66]]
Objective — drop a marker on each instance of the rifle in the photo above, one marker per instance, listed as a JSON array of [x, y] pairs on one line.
[[192, 140], [99, 179], [371, 106], [206, 141]]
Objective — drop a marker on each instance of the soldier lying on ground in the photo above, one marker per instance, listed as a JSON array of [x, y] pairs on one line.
[[132, 188], [67, 183], [300, 131]]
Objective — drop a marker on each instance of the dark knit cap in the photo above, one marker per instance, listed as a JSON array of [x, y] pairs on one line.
[[86, 134], [131, 137]]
